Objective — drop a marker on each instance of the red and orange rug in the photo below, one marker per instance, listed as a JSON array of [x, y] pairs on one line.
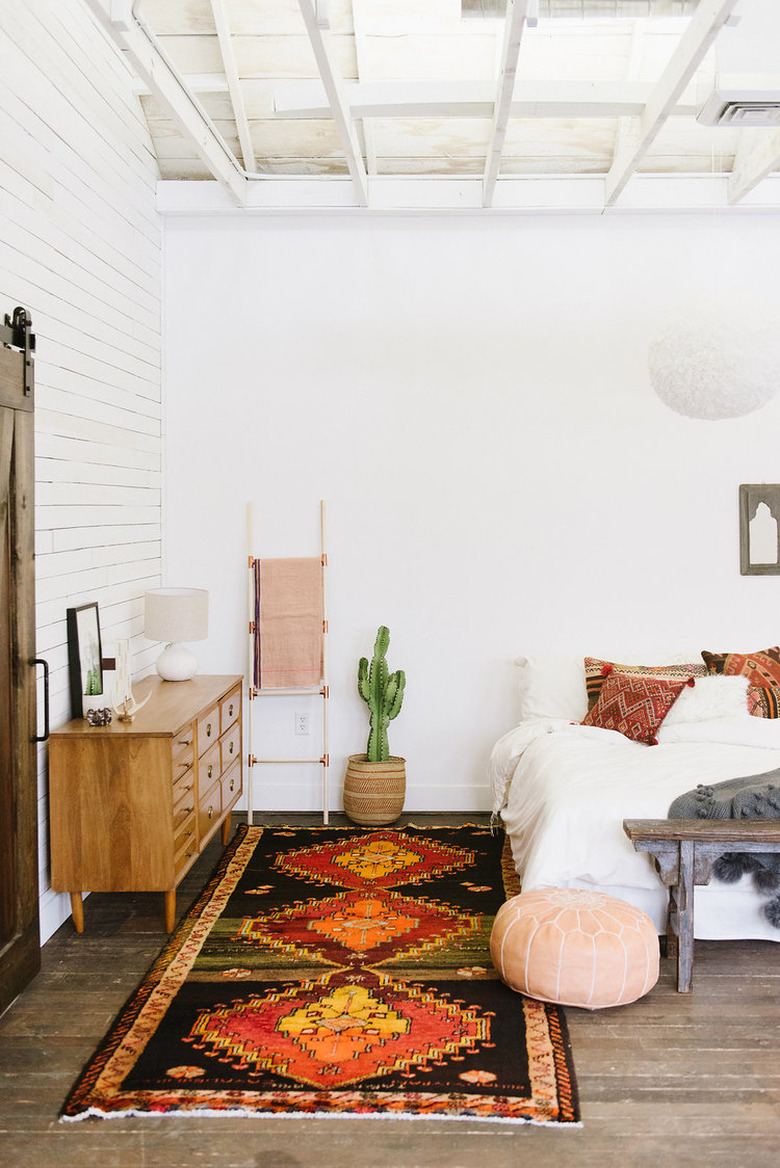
[[338, 971]]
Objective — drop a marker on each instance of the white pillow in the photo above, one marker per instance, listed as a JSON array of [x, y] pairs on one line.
[[553, 686], [714, 696]]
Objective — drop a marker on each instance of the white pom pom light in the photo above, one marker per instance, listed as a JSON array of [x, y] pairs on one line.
[[716, 359]]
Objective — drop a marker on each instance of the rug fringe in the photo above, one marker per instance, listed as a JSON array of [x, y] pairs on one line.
[[243, 1113]]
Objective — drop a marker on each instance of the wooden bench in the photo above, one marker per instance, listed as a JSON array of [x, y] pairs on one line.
[[684, 851]]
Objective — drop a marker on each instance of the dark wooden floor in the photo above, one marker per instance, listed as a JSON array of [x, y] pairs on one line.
[[689, 1080]]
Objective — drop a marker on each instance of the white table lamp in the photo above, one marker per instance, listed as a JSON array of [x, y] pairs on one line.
[[174, 615]]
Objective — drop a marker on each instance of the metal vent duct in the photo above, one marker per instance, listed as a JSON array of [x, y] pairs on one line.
[[736, 109]]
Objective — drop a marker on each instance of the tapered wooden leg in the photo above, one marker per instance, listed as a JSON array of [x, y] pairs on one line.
[[226, 830], [77, 908], [170, 909]]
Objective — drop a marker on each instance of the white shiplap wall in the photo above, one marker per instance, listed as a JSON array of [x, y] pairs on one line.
[[80, 248]]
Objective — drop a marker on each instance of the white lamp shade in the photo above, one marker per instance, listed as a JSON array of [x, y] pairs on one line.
[[173, 615]]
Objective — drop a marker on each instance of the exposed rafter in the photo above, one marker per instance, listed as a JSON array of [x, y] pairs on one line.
[[474, 99], [233, 83], [366, 126], [331, 80], [704, 26], [516, 13], [758, 154], [150, 63], [514, 196]]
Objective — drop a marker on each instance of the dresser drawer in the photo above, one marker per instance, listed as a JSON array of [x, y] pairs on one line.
[[208, 729], [229, 709], [210, 810], [209, 767], [231, 786], [230, 746], [185, 843], [182, 811], [183, 781], [183, 748]]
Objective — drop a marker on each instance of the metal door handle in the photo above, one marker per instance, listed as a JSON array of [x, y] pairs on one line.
[[40, 661]]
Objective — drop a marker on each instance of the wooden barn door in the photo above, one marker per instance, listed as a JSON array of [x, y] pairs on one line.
[[19, 942]]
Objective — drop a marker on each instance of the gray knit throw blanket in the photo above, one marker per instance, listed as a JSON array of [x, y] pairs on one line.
[[752, 797]]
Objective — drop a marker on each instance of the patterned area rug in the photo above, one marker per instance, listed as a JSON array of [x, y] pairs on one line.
[[338, 971]]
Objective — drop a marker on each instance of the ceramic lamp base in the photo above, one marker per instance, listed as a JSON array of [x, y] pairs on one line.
[[176, 663]]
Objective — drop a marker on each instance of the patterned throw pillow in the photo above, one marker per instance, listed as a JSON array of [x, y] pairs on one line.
[[764, 701], [761, 668], [634, 706], [596, 671]]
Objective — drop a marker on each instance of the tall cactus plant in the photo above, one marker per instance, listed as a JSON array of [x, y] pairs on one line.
[[383, 692]]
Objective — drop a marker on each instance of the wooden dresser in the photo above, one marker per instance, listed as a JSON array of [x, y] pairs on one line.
[[133, 804]]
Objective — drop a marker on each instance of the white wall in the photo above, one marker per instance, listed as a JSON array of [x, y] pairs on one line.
[[80, 248], [472, 400]]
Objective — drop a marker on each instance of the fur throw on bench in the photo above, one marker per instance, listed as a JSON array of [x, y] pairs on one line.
[[752, 797]]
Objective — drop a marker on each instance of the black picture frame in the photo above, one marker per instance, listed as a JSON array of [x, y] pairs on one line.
[[85, 658]]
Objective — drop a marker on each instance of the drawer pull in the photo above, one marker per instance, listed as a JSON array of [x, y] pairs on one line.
[[230, 710], [211, 812], [230, 748], [184, 765], [208, 729], [210, 770], [187, 787], [232, 784], [185, 742]]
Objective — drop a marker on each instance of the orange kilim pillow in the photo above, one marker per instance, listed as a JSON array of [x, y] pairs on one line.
[[761, 668]]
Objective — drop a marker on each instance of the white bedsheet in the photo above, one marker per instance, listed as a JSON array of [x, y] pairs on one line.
[[563, 791]]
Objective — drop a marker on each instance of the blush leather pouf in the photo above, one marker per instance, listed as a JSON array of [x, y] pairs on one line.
[[575, 948]]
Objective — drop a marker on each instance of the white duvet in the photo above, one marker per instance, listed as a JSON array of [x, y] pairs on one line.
[[563, 791]]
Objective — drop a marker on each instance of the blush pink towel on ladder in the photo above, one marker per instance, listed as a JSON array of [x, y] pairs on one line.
[[288, 623]]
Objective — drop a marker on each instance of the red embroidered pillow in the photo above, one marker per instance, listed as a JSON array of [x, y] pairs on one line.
[[634, 706], [761, 668], [597, 670]]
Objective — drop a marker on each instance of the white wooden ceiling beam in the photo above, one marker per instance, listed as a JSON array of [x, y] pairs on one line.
[[398, 194], [234, 84], [758, 154], [147, 60], [369, 137], [704, 26], [514, 25], [475, 99], [334, 90]]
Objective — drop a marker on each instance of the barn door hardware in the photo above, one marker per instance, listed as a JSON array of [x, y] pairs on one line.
[[16, 332]]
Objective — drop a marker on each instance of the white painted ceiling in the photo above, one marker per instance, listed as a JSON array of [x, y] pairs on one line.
[[442, 105]]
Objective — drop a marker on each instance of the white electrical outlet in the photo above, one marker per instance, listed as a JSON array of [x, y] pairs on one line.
[[301, 723]]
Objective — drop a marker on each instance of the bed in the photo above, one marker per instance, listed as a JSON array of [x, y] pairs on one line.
[[564, 779]]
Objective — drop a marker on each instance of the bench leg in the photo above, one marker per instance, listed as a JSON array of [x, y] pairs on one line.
[[684, 898]]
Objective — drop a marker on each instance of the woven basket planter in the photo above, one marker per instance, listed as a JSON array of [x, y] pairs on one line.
[[374, 792]]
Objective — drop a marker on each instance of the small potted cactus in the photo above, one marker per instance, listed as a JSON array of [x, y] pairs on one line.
[[375, 782]]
